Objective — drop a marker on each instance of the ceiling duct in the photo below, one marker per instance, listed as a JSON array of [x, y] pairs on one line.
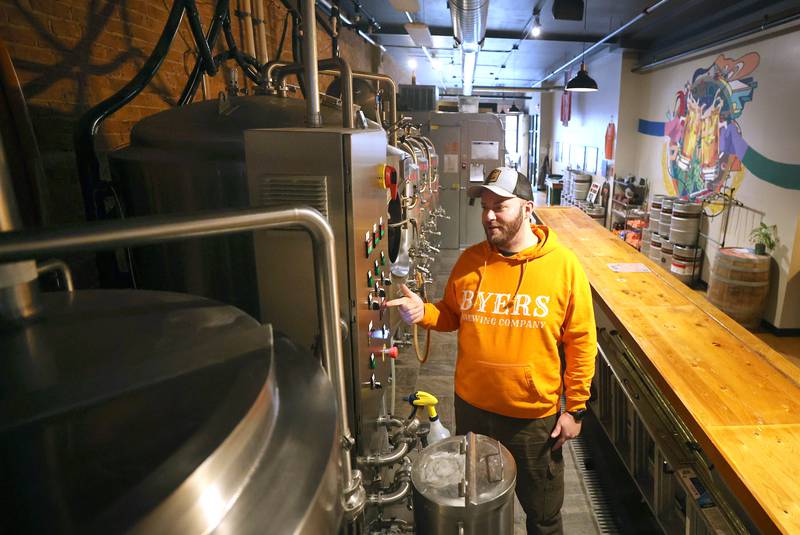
[[469, 29]]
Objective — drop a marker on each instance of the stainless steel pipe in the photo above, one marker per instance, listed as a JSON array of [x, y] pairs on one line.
[[16, 246], [331, 64], [58, 266], [379, 498], [313, 115], [385, 458], [19, 295], [392, 99]]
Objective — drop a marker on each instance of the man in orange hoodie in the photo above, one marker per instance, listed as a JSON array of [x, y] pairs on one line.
[[516, 299]]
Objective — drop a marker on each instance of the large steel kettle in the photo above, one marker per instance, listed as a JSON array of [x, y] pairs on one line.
[[464, 485]]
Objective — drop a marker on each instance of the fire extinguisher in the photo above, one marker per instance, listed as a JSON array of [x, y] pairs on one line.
[[611, 133]]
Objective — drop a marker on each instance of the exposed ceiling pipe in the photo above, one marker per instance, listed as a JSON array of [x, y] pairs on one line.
[[469, 29], [613, 34], [503, 89], [674, 58], [260, 25], [245, 14]]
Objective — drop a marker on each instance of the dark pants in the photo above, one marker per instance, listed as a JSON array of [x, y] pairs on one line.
[[540, 471]]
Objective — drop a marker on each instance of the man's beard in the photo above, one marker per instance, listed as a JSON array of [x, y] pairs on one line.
[[506, 232]]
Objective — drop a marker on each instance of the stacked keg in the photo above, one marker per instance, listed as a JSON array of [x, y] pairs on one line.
[[683, 233], [654, 238], [672, 236]]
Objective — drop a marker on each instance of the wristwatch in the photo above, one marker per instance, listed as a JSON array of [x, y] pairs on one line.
[[578, 414]]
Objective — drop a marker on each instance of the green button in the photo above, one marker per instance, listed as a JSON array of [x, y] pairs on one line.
[[370, 282], [383, 259], [372, 362]]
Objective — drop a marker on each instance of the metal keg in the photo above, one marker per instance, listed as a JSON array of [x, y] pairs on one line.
[[685, 223], [665, 219], [582, 185], [647, 235], [655, 212], [464, 485], [666, 253], [655, 248], [686, 263]]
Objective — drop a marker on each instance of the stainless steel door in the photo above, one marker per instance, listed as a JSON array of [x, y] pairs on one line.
[[482, 128], [447, 140]]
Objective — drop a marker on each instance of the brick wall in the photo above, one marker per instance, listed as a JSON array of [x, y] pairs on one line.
[[72, 54]]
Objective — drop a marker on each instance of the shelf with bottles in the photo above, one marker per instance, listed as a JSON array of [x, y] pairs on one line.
[[628, 225]]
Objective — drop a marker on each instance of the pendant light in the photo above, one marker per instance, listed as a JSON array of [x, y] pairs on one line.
[[582, 83], [514, 108]]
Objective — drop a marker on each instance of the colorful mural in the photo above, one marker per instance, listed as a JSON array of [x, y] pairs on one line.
[[705, 148]]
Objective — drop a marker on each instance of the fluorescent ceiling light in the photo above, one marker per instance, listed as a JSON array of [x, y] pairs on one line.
[[420, 34], [405, 5], [469, 60]]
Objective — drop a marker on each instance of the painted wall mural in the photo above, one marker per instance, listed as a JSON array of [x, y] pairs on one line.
[[705, 147]]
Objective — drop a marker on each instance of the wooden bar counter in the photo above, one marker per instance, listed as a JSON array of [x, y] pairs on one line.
[[738, 397]]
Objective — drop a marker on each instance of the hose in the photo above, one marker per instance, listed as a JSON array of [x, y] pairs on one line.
[[421, 357]]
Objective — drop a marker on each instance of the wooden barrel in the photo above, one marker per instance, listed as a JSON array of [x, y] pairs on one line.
[[739, 285]]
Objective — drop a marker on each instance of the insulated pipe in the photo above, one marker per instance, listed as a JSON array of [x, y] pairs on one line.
[[246, 20], [259, 23], [345, 73], [89, 123], [313, 115], [203, 50], [23, 246], [189, 90], [613, 34]]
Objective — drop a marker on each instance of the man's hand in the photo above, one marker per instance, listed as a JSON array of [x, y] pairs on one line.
[[412, 308], [566, 429]]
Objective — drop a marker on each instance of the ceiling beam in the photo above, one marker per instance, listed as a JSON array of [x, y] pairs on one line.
[[447, 31]]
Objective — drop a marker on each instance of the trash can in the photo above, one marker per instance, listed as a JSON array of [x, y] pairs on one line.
[[554, 186]]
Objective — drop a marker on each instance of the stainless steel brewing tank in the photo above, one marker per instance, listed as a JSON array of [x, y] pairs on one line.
[[189, 159], [154, 412], [464, 485]]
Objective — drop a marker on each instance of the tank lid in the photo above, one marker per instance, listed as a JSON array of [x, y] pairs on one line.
[[465, 471]]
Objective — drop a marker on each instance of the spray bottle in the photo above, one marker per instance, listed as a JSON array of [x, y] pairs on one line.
[[424, 399]]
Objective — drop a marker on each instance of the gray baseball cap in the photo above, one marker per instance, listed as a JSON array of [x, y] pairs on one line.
[[506, 182]]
